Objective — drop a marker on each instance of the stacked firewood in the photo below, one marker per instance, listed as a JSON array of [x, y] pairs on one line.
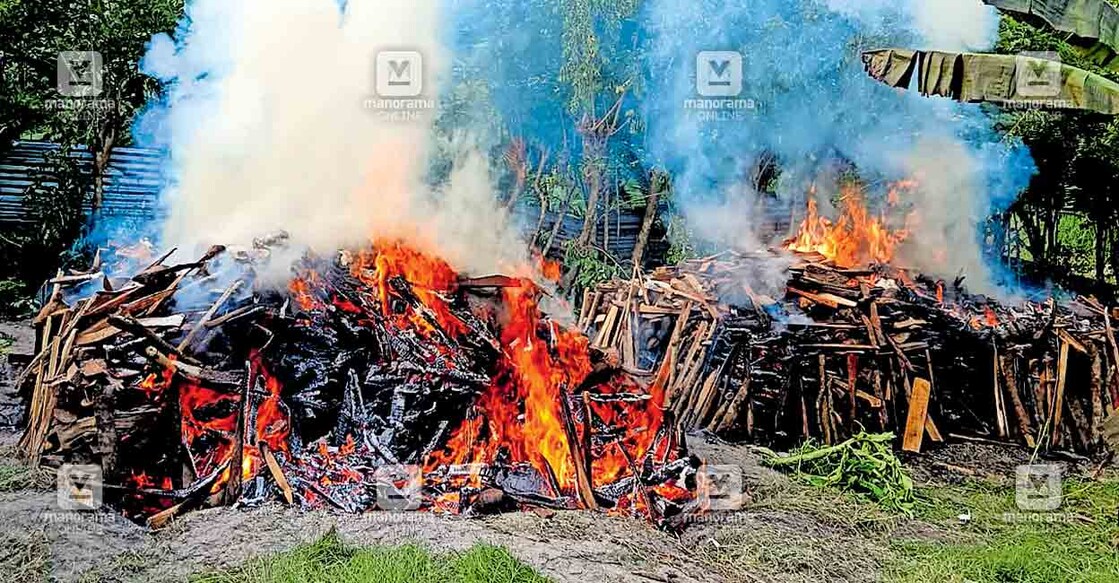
[[197, 385], [849, 349], [100, 385]]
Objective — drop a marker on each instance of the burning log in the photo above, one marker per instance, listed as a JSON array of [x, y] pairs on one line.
[[840, 350], [380, 379]]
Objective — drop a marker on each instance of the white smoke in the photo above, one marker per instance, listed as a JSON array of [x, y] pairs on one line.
[[956, 25], [820, 117], [269, 130], [949, 25], [943, 231]]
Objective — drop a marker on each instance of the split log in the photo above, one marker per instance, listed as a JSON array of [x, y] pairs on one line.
[[918, 415]]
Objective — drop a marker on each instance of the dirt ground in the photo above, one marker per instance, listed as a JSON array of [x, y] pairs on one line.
[[17, 339], [784, 533]]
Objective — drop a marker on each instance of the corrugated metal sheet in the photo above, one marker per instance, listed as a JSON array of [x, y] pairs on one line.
[[624, 230], [132, 180]]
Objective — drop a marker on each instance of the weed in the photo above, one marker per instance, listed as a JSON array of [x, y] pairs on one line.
[[864, 464], [331, 560]]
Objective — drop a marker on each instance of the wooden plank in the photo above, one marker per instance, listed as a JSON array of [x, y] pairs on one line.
[[874, 402], [277, 473], [681, 389], [1113, 388], [822, 402], [607, 330], [918, 415], [1016, 400], [1059, 399], [1073, 342], [852, 388], [97, 334], [814, 298], [933, 430], [1000, 409], [585, 308], [228, 293], [579, 455], [590, 308]]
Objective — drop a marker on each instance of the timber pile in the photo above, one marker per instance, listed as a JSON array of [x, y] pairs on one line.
[[846, 349], [101, 384], [343, 391]]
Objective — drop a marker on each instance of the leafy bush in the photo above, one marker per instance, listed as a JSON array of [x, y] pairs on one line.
[[15, 301], [590, 265], [864, 464]]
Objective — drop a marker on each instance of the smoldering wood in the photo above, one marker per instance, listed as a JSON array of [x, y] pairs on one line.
[[898, 326], [355, 388]]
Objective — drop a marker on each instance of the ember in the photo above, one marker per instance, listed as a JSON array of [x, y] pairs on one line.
[[852, 348], [394, 384]]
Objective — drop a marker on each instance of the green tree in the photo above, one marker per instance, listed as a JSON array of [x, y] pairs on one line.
[[598, 72], [33, 33], [1068, 214]]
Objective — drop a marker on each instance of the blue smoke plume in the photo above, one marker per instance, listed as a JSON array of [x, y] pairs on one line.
[[818, 114]]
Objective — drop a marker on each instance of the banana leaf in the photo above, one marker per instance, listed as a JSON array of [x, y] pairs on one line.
[[1008, 80], [1094, 22]]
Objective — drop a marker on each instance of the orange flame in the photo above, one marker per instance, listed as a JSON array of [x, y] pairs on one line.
[[210, 419], [856, 238], [518, 418], [541, 362], [991, 317]]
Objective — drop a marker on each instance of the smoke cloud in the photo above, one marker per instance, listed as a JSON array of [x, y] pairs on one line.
[[818, 110], [266, 122], [268, 125]]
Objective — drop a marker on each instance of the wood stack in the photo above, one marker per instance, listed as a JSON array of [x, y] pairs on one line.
[[846, 349], [101, 350], [173, 379]]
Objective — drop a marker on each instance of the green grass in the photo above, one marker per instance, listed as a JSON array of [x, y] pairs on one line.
[[24, 559], [330, 560], [1001, 544], [16, 476]]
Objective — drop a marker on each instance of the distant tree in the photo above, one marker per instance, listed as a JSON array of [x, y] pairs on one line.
[[1077, 155], [33, 33]]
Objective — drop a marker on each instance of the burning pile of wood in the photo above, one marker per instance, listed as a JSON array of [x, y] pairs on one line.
[[870, 348], [379, 379]]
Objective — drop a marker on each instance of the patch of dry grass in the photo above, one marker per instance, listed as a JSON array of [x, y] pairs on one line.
[[16, 475], [24, 558]]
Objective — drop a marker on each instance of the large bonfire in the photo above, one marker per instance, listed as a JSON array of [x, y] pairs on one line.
[[379, 379]]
